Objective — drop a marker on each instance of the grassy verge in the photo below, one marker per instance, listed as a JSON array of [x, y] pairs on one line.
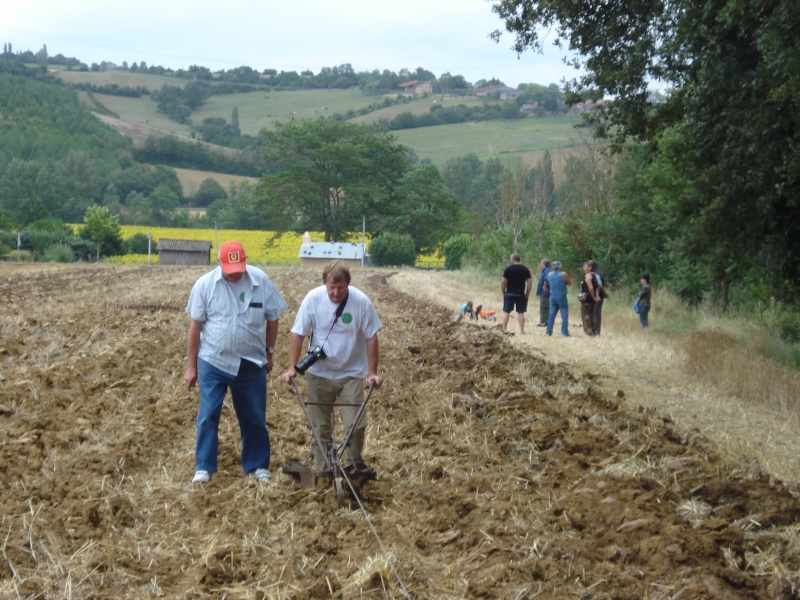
[[741, 354]]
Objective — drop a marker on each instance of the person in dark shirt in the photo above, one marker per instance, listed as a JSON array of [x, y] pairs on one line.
[[644, 301], [516, 289], [543, 291]]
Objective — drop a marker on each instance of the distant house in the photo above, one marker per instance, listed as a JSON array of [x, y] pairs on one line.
[[417, 87], [321, 253], [183, 252], [587, 106], [502, 91]]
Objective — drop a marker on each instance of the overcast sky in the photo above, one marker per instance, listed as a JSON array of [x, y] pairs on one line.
[[438, 35]]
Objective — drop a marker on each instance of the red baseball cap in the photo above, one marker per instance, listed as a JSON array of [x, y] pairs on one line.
[[232, 258]]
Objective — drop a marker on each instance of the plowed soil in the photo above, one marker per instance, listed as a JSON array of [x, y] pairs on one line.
[[501, 474]]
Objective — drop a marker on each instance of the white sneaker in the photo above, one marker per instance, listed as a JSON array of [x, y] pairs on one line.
[[261, 474], [201, 477]]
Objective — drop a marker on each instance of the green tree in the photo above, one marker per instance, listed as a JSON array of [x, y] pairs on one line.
[[426, 209], [729, 127], [210, 191], [139, 243], [334, 173], [235, 129], [163, 201], [103, 229]]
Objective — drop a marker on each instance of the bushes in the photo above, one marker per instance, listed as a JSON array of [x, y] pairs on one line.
[[393, 249], [60, 252], [138, 244], [455, 249]]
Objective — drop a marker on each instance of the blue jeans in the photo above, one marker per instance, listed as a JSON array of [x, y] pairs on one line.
[[249, 392], [558, 303], [643, 318]]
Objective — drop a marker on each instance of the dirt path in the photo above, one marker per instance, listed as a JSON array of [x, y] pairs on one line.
[[505, 471]]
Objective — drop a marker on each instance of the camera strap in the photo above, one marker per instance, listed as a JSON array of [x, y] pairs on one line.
[[340, 309], [336, 315]]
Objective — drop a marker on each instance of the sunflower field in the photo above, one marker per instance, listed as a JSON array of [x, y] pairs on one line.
[[283, 251]]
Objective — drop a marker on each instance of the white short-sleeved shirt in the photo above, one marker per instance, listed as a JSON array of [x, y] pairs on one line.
[[345, 345], [234, 326]]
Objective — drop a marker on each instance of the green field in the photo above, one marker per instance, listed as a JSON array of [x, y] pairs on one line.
[[259, 110], [142, 111], [524, 138]]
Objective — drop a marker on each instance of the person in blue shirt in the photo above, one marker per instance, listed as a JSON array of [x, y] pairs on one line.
[[558, 281], [543, 292], [466, 309], [234, 311]]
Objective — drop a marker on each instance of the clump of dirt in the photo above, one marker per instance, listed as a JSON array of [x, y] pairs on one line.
[[500, 476]]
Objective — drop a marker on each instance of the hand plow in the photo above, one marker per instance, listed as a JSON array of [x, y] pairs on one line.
[[347, 481]]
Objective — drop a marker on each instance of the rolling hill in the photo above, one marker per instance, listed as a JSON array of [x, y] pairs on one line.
[[526, 138]]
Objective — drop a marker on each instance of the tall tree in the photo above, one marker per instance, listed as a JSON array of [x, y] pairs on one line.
[[515, 200], [334, 173], [730, 126], [235, 129], [425, 209]]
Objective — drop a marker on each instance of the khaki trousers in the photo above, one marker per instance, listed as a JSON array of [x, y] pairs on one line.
[[349, 390]]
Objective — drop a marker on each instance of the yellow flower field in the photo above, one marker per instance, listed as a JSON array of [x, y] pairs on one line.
[[284, 251]]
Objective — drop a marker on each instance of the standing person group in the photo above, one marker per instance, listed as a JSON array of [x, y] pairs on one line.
[[234, 315], [551, 290], [516, 289]]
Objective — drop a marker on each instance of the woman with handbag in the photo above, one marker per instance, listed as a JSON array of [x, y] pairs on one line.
[[601, 292], [588, 296]]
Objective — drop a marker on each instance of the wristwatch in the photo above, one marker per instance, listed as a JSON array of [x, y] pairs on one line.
[[270, 350]]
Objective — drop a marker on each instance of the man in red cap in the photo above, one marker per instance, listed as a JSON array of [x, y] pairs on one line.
[[234, 312]]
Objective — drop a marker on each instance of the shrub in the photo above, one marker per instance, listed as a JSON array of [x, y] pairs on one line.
[[60, 252], [393, 249], [137, 244], [455, 249]]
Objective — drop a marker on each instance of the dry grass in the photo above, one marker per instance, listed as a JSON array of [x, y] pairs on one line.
[[705, 381]]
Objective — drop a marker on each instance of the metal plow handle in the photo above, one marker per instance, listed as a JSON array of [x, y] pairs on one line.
[[355, 421]]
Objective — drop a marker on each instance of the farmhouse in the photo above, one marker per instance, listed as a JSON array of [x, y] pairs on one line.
[[184, 252], [417, 87], [321, 253]]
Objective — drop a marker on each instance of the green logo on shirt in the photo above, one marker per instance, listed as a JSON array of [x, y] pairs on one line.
[[347, 318]]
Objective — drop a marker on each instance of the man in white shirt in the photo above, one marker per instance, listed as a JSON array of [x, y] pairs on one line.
[[344, 325], [234, 312]]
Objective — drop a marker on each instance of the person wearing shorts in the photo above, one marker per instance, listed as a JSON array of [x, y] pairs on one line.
[[516, 289]]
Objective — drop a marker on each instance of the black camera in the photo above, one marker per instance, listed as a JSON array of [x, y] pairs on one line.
[[313, 355]]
